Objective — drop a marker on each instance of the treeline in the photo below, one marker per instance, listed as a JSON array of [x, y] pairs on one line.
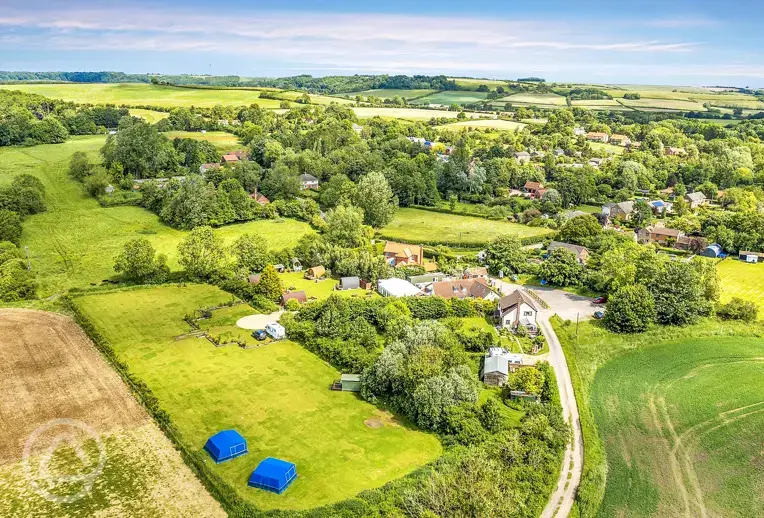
[[118, 77], [31, 119]]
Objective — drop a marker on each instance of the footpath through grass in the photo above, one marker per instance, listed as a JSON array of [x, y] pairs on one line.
[[428, 227], [73, 243], [588, 349], [276, 395]]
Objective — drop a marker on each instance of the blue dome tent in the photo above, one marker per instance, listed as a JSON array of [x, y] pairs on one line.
[[273, 475], [226, 445]]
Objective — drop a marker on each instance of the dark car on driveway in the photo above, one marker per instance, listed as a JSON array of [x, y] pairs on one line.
[[600, 300], [259, 334], [598, 315]]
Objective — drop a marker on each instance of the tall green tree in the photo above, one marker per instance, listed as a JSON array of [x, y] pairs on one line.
[[631, 309], [270, 285], [201, 253], [375, 197], [138, 261], [250, 252]]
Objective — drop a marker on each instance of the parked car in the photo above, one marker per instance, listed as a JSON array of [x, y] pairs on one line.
[[600, 300], [599, 314], [275, 330], [259, 334]]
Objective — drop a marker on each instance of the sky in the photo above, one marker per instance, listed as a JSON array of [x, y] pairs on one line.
[[699, 42]]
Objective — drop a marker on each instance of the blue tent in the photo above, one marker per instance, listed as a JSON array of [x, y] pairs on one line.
[[273, 475], [226, 445]]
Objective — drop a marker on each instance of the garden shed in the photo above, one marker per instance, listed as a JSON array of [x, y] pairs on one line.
[[226, 445], [273, 475], [350, 382], [316, 272], [350, 283]]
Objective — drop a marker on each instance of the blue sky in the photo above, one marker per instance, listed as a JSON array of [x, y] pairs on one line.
[[647, 42]]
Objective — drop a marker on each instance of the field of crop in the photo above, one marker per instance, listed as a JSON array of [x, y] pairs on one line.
[[681, 425], [485, 123], [598, 103], [277, 396], [222, 140], [535, 99], [385, 93], [150, 116], [449, 97], [743, 280], [49, 370], [74, 241], [422, 226], [663, 104], [413, 114], [473, 84]]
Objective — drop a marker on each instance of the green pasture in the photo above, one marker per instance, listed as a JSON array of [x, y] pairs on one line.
[[535, 99], [422, 226], [277, 396], [663, 104], [588, 350], [743, 280], [145, 94], [222, 140], [74, 242], [473, 84], [413, 114], [610, 149], [497, 124], [681, 422], [385, 93], [150, 116], [449, 97]]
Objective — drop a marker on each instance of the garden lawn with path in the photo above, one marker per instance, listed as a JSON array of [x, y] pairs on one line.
[[428, 227], [277, 396]]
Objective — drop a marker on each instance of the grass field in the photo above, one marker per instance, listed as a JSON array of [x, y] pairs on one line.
[[608, 148], [663, 104], [448, 97], [296, 281], [681, 423], [150, 116], [535, 99], [277, 396], [413, 114], [588, 349], [740, 279], [222, 141], [73, 243], [473, 84], [497, 124], [385, 93], [422, 226], [50, 370]]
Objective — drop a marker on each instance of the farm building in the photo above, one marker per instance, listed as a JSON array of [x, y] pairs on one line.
[[273, 475], [395, 287], [226, 445], [299, 296], [712, 251], [518, 309], [349, 283], [316, 272], [696, 199], [751, 257], [581, 252], [403, 254], [308, 181]]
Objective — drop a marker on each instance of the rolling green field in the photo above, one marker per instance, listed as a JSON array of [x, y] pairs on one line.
[[150, 116], [448, 97], [222, 141], [277, 396], [73, 243], [497, 124], [743, 280], [473, 84], [385, 93], [589, 349], [681, 423], [608, 148], [422, 226], [535, 99], [413, 114]]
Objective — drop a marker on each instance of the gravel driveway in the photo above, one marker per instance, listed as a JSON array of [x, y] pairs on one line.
[[258, 321], [566, 305]]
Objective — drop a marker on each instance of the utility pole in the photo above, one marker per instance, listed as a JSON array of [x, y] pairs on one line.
[[29, 263], [577, 314]]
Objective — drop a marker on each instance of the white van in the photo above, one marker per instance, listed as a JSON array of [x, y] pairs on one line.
[[275, 330]]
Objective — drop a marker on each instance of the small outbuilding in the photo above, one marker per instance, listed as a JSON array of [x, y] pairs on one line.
[[273, 475], [226, 445], [299, 296], [350, 382], [395, 287], [350, 283], [750, 257], [712, 251], [316, 272]]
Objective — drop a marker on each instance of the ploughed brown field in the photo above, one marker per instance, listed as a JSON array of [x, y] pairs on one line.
[[50, 370]]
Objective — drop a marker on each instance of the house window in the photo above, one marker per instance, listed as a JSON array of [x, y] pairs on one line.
[[527, 313]]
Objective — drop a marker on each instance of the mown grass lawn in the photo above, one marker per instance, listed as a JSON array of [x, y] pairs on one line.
[[223, 142], [740, 279], [277, 396], [633, 479], [497, 124], [321, 289], [75, 241], [150, 116], [422, 226]]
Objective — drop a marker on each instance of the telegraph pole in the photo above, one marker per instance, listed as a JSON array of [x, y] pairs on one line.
[[29, 263]]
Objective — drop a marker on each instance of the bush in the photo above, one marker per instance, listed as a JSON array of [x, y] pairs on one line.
[[738, 309], [630, 310], [10, 226]]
